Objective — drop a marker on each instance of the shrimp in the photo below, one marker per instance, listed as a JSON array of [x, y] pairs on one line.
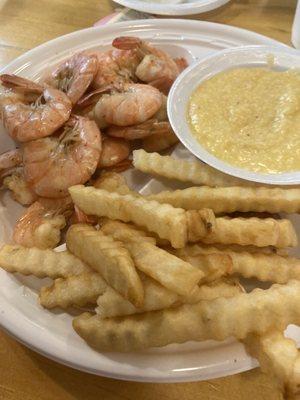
[[156, 67], [140, 131], [79, 217], [37, 117], [53, 164], [74, 75], [39, 227], [10, 159], [115, 67], [161, 140], [114, 150], [134, 104]]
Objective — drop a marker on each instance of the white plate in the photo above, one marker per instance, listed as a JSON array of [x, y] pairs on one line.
[[50, 333], [179, 96], [173, 7]]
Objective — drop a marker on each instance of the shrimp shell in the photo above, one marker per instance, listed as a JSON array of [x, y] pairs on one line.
[[53, 164], [114, 150], [135, 104], [38, 119], [74, 75]]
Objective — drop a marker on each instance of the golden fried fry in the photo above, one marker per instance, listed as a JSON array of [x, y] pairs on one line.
[[166, 268], [169, 270], [253, 231], [77, 290], [264, 267], [200, 223], [186, 171], [111, 304], [168, 222], [125, 232], [109, 258], [239, 248], [213, 266], [255, 312], [41, 263], [278, 357], [231, 199]]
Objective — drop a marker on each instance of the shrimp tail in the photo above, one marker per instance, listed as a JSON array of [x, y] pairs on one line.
[[126, 42], [162, 84], [17, 82], [181, 63]]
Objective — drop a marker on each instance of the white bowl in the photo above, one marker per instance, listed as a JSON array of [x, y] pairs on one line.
[[190, 79]]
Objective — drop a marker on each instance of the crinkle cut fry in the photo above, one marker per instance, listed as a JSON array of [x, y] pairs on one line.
[[255, 312], [171, 271], [78, 290], [253, 231], [186, 171], [109, 257], [278, 357], [40, 263], [168, 222], [232, 199], [264, 267]]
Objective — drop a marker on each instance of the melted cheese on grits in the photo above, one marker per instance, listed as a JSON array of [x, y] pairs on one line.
[[250, 118]]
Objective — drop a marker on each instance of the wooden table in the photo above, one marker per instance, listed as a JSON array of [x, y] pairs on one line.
[[25, 375]]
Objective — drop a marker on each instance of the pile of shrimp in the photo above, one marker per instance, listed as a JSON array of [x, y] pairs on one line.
[[82, 118]]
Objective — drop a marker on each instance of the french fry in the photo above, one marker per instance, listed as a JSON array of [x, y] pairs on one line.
[[200, 223], [125, 232], [78, 290], [278, 357], [255, 312], [109, 258], [186, 171], [207, 249], [168, 222], [111, 304], [265, 267], [40, 263], [169, 270], [231, 199], [253, 231]]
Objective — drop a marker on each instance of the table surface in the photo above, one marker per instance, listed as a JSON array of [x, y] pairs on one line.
[[25, 375]]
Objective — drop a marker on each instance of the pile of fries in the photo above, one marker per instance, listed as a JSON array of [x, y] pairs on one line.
[[165, 268]]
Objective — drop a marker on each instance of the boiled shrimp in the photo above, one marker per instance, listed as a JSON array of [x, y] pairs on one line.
[[10, 159], [161, 140], [36, 116], [156, 67], [39, 227], [74, 75], [134, 104], [53, 164], [115, 67], [140, 131], [114, 150]]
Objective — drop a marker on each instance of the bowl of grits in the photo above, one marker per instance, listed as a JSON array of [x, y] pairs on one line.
[[239, 111]]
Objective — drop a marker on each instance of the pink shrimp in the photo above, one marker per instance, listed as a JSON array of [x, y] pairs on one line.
[[39, 227], [115, 67], [140, 131], [74, 75], [33, 117], [156, 67], [163, 138], [130, 105], [53, 164], [114, 150]]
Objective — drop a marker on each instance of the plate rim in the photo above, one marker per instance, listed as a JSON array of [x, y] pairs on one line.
[[13, 328], [199, 7]]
